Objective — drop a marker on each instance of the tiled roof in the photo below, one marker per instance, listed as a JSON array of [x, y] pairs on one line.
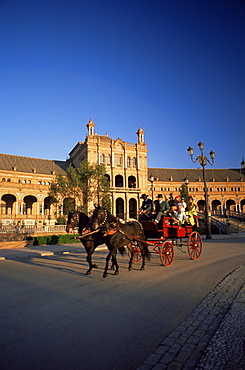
[[193, 175], [27, 164]]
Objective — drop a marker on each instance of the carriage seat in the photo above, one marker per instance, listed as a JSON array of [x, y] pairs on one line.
[[174, 231]]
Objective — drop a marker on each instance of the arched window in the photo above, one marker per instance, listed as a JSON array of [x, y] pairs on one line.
[[119, 181], [120, 208], [108, 159], [132, 182], [108, 178]]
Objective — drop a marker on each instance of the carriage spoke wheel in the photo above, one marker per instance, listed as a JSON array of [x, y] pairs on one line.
[[194, 244], [137, 255], [167, 253]]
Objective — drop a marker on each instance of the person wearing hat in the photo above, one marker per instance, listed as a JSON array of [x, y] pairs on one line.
[[146, 207], [192, 211], [162, 208]]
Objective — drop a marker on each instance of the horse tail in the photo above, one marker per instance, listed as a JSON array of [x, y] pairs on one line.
[[122, 251], [146, 251]]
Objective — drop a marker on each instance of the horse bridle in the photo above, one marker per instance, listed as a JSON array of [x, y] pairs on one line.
[[105, 218]]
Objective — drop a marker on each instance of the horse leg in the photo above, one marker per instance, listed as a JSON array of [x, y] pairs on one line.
[[115, 264], [131, 249], [108, 257], [89, 259], [143, 256]]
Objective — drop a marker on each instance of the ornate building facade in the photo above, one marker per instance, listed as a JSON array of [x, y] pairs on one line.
[[25, 182]]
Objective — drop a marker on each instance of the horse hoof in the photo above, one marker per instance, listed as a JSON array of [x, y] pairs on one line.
[[95, 266], [88, 273], [130, 269], [142, 268], [116, 273], [105, 275]]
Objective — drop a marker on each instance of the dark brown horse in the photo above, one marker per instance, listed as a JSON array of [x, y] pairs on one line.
[[118, 235], [91, 241]]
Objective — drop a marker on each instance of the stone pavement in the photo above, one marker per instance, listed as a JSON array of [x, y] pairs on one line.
[[40, 251], [213, 334], [211, 337]]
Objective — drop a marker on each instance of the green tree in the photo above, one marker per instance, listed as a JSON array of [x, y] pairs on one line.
[[86, 183], [184, 192]]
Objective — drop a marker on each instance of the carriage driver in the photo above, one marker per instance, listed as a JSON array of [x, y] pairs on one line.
[[146, 207], [162, 208]]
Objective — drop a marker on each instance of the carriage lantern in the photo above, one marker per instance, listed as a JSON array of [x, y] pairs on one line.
[[203, 160]]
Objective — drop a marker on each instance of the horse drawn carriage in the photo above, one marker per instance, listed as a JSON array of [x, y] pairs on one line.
[[104, 228], [164, 236]]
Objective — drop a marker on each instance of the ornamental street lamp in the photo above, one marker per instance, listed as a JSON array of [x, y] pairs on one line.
[[152, 179], [203, 162], [243, 166]]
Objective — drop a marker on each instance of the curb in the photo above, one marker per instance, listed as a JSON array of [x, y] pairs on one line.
[[185, 346]]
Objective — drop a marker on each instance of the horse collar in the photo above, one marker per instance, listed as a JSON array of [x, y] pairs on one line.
[[105, 219]]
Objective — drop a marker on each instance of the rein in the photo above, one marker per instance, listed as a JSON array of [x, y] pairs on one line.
[[116, 228], [131, 237], [87, 234]]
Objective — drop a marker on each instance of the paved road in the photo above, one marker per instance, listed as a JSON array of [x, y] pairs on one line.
[[55, 317]]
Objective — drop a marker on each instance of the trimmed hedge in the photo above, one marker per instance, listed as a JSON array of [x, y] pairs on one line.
[[55, 239]]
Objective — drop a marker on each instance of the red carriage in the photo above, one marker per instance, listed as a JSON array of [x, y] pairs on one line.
[[163, 237]]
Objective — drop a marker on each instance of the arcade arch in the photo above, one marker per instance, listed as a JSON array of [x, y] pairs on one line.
[[133, 208], [131, 182], [216, 206], [69, 205], [119, 181], [243, 205], [120, 208], [7, 204], [201, 205], [230, 205], [29, 205]]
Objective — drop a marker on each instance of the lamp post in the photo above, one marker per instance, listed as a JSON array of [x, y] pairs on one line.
[[243, 166], [203, 160], [152, 179]]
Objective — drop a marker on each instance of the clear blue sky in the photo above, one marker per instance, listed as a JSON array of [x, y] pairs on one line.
[[173, 67]]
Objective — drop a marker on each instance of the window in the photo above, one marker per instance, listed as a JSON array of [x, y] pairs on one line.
[[101, 158], [128, 161], [134, 162], [108, 159], [119, 161]]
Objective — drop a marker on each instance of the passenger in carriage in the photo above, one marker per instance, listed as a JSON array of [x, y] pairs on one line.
[[180, 216], [191, 211], [161, 208], [171, 214], [183, 203]]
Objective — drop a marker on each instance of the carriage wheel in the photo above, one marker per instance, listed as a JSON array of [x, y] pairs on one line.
[[137, 255], [167, 253], [194, 244]]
